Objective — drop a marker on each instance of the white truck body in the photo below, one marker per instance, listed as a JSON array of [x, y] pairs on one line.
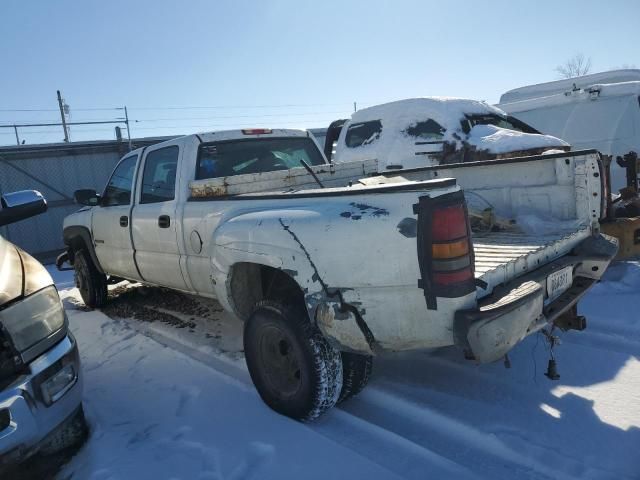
[[599, 111], [373, 256]]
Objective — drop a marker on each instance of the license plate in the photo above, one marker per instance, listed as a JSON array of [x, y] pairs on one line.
[[559, 281]]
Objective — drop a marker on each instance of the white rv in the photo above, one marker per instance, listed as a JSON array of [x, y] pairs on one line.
[[600, 111]]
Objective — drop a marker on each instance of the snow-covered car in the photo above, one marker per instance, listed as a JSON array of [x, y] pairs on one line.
[[429, 131], [330, 264], [40, 376]]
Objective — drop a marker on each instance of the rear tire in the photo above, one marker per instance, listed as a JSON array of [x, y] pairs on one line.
[[90, 282], [356, 370], [295, 370]]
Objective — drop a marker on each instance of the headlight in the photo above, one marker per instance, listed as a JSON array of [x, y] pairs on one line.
[[33, 318]]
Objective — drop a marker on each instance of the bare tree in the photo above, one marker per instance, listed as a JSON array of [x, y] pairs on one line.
[[576, 66]]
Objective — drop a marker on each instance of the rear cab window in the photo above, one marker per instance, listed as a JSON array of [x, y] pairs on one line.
[[257, 155]]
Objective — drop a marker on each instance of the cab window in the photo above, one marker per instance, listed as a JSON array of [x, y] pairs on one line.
[[118, 190], [364, 133], [426, 130], [159, 177], [239, 157]]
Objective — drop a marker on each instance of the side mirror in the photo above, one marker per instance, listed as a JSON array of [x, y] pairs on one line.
[[17, 206], [87, 197]]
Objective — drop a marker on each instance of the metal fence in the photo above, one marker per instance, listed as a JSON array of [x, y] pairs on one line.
[[56, 170]]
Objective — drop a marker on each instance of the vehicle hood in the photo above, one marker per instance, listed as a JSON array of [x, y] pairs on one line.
[[499, 140], [20, 273]]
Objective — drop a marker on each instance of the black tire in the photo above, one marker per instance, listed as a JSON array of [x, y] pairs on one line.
[[356, 370], [295, 370], [70, 434], [90, 282]]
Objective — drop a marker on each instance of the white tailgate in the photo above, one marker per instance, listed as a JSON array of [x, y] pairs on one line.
[[501, 256]]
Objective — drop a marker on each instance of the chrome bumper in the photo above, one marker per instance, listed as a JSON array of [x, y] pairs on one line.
[[32, 415]]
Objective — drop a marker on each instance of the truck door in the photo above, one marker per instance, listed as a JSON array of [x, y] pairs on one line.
[[154, 223], [111, 219]]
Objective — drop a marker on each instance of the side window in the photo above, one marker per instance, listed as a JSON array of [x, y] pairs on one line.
[[427, 130], [118, 191], [360, 134], [159, 177]]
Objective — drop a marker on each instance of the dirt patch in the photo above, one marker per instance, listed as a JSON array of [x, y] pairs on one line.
[[149, 304]]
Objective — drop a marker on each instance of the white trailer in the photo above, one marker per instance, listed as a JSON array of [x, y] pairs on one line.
[[599, 111]]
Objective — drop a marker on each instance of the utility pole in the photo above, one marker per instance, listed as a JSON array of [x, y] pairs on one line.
[[355, 108], [15, 129], [64, 121], [126, 120]]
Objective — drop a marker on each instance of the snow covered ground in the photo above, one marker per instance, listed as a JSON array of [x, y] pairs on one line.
[[168, 396]]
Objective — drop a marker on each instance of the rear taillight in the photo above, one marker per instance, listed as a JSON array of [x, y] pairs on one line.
[[445, 251], [451, 252]]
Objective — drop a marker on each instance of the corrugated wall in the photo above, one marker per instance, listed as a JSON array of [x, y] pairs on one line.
[[56, 171]]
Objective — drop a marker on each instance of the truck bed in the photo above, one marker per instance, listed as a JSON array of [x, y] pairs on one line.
[[501, 256]]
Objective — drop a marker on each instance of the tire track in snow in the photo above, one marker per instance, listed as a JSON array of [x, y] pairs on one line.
[[371, 441], [484, 453]]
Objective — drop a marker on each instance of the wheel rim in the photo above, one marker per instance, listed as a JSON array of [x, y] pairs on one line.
[[279, 362]]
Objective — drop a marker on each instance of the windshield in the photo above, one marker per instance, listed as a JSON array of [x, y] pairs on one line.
[[508, 122], [256, 155]]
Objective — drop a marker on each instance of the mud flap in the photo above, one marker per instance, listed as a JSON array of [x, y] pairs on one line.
[[494, 329]]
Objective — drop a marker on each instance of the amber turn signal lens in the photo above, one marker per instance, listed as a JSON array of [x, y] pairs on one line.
[[450, 250]]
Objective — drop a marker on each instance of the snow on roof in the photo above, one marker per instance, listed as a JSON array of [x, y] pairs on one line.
[[447, 111], [589, 92], [501, 140], [561, 86]]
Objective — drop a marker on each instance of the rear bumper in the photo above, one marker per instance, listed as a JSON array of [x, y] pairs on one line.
[[520, 308], [32, 417]]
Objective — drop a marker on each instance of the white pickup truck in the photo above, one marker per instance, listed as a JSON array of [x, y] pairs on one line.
[[330, 264]]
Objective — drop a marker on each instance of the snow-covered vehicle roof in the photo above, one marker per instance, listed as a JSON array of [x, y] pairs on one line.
[[561, 86], [447, 111], [432, 130]]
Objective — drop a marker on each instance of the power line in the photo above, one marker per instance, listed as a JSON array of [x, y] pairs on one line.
[[297, 114], [57, 110], [204, 107], [179, 107]]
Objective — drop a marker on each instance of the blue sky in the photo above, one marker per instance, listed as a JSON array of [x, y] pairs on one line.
[[283, 63]]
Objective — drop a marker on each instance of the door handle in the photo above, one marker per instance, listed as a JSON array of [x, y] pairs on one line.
[[164, 221], [124, 221]]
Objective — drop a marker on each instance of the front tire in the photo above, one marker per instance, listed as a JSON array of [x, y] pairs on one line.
[[90, 282], [295, 370]]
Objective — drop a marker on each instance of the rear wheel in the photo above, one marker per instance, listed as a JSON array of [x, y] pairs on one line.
[[295, 370], [90, 282], [356, 370]]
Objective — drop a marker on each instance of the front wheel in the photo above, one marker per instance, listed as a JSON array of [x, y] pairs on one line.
[[90, 282], [295, 370]]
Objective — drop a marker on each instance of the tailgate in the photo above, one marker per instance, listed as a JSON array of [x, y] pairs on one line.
[[501, 256]]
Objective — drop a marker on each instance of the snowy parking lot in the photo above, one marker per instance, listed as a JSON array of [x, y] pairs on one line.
[[167, 395]]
